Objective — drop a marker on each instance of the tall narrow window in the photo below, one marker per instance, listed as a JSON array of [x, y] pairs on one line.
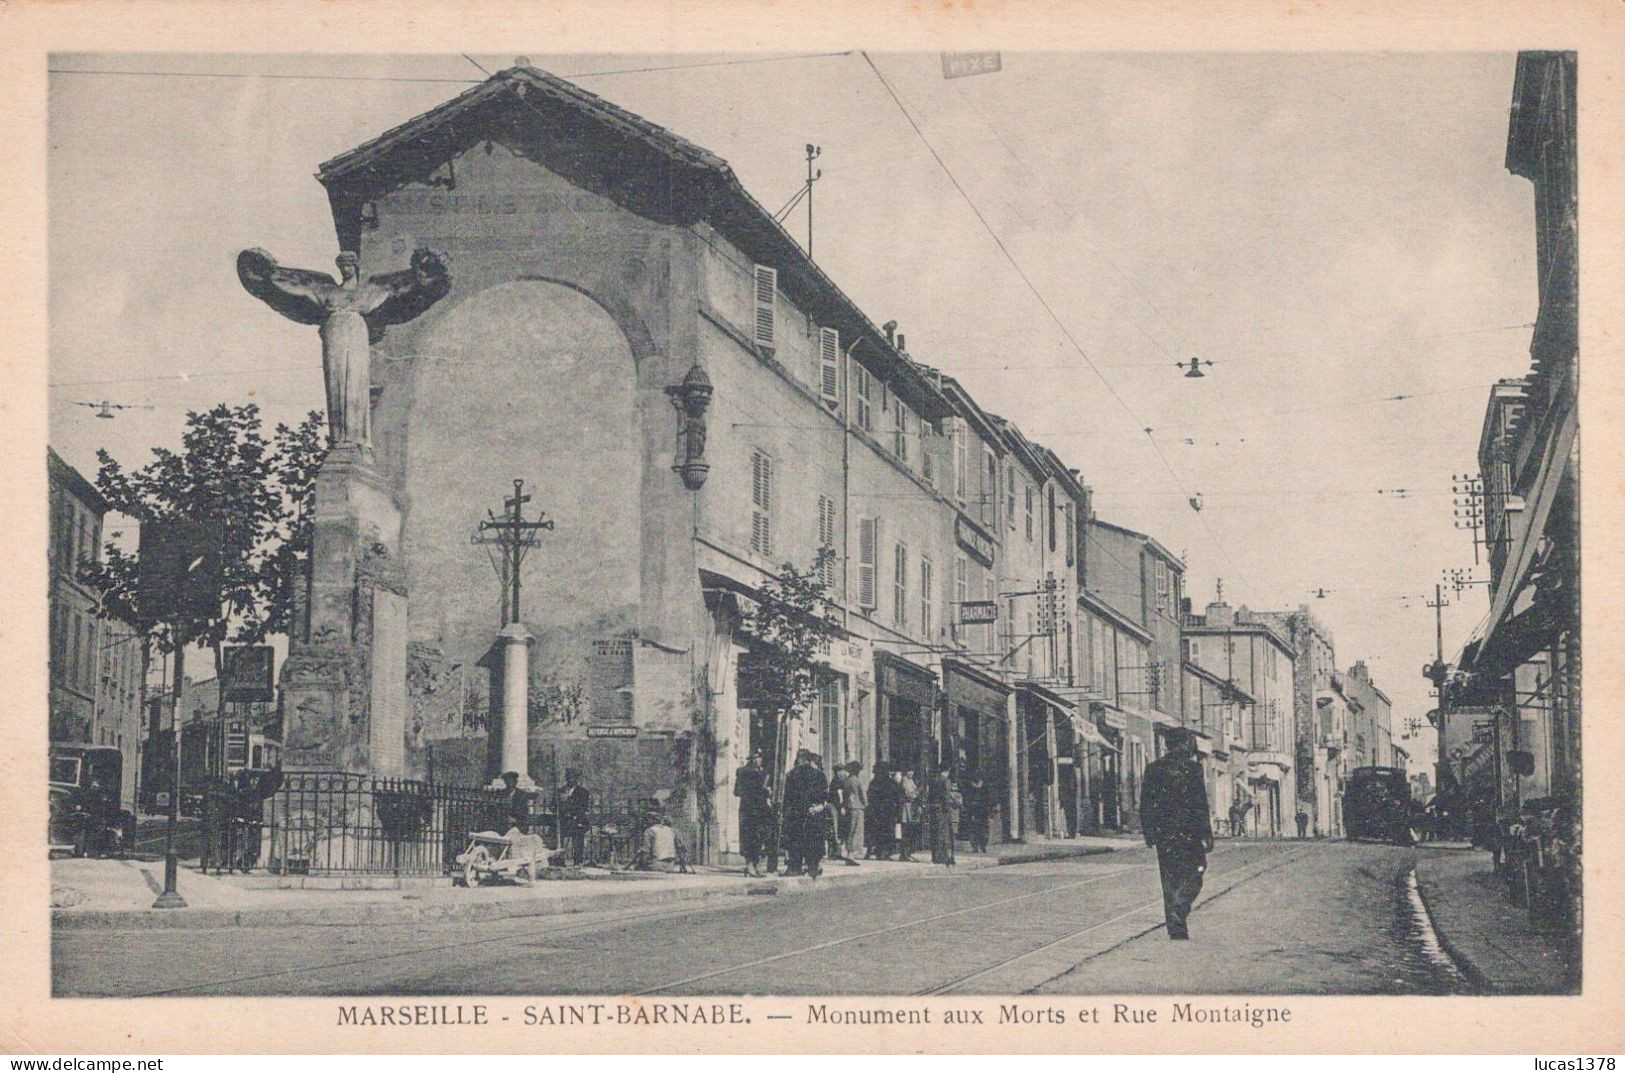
[[900, 584], [868, 554], [1049, 512], [862, 397], [761, 501], [961, 435], [899, 445], [1010, 494], [928, 460], [826, 542], [927, 612], [766, 295], [1071, 533], [829, 366], [990, 487], [1028, 489]]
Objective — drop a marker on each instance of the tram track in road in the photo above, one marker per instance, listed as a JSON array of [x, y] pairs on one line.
[[829, 944], [409, 952], [1155, 903]]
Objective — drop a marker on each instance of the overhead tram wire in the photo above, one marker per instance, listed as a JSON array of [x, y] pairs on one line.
[[283, 76], [1044, 303]]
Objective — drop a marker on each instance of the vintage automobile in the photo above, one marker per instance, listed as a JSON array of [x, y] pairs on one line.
[[1377, 804], [86, 788]]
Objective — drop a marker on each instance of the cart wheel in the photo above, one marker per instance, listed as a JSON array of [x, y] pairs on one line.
[[477, 859], [526, 874]]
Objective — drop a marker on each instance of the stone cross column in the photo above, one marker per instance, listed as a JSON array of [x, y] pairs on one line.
[[516, 641]]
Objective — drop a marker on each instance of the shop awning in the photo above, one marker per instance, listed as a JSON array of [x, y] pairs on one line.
[[1090, 733], [1082, 724], [1526, 542]]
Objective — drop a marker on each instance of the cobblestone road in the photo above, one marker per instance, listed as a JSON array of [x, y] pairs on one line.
[[1283, 918]]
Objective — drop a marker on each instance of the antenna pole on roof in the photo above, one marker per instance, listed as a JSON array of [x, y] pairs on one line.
[[813, 153]]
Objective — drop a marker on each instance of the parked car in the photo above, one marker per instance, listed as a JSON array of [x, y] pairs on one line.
[[1378, 804], [86, 786]]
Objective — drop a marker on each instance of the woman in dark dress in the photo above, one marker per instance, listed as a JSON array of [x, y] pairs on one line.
[[755, 813], [943, 803], [975, 814], [879, 822]]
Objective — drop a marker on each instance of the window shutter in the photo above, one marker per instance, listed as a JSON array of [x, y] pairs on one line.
[[761, 494], [861, 393], [900, 585], [928, 465], [927, 617], [829, 366], [868, 545], [767, 289]]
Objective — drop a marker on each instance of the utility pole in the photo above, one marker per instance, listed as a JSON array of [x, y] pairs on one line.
[[813, 153], [1437, 671], [1469, 508]]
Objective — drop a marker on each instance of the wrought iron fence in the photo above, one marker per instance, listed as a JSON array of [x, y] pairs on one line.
[[331, 823]]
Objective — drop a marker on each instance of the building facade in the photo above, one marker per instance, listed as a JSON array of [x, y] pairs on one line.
[[1320, 711], [1255, 657], [95, 659], [1133, 650], [694, 404], [1512, 706], [1372, 743]]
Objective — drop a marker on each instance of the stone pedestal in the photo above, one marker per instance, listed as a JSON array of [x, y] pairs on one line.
[[344, 681], [515, 642]]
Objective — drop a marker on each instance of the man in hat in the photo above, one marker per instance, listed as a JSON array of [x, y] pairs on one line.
[[1174, 814], [573, 802]]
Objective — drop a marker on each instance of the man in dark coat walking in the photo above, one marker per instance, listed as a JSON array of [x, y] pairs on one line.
[[1174, 813]]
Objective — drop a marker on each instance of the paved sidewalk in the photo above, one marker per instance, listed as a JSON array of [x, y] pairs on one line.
[[109, 894], [119, 895], [1489, 936]]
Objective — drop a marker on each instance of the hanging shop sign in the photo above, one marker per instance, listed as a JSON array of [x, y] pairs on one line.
[[974, 540], [978, 612]]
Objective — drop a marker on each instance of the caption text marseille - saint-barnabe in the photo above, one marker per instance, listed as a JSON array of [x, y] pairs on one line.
[[590, 1014]]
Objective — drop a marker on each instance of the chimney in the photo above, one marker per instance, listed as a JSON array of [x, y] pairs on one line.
[[1220, 614], [890, 328], [902, 345]]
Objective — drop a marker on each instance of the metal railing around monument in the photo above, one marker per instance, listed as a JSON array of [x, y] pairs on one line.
[[332, 823]]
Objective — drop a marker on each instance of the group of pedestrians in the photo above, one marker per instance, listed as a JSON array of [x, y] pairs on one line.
[[837, 816]]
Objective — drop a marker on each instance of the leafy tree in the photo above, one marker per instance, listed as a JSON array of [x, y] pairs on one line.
[[260, 491], [791, 628]]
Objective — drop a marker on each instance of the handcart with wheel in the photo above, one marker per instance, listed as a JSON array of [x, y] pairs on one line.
[[515, 856]]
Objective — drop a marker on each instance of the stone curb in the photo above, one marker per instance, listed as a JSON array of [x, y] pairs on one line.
[[529, 905], [1428, 886]]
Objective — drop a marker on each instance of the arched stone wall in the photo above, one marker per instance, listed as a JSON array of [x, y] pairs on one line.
[[528, 379]]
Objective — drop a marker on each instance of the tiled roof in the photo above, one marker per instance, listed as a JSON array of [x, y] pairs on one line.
[[717, 196]]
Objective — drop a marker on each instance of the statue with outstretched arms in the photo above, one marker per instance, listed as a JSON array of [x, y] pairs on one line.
[[351, 315]]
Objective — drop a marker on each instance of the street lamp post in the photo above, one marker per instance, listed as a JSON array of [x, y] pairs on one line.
[[171, 898]]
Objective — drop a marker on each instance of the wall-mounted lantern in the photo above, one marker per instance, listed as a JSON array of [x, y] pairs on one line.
[[690, 398]]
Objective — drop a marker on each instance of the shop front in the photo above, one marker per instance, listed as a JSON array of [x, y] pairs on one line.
[[907, 700], [975, 739]]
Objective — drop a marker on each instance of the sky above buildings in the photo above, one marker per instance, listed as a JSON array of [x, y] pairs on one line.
[[1330, 230]]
